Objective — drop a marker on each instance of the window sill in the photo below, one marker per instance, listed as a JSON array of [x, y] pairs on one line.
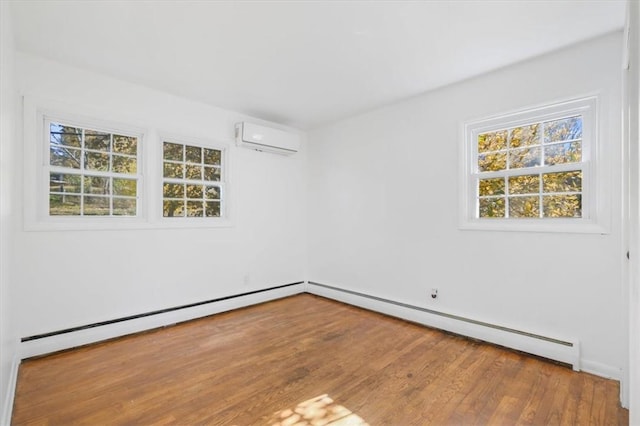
[[122, 224], [571, 226]]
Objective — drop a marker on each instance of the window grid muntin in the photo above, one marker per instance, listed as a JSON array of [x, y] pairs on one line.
[[185, 181], [84, 172], [539, 170], [540, 142], [111, 196], [541, 194]]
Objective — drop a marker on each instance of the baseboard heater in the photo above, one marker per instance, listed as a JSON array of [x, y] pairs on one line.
[[39, 344], [562, 350]]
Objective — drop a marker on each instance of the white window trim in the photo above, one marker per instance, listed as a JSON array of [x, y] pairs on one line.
[[36, 170], [35, 184], [225, 199], [595, 210]]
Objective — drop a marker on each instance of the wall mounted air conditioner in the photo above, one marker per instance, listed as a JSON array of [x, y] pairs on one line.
[[266, 139]]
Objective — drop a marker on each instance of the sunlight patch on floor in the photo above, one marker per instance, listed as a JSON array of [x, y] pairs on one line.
[[318, 411]]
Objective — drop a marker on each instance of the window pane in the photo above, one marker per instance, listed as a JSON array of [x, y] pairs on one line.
[[124, 206], [212, 156], [493, 141], [193, 172], [64, 157], [194, 191], [492, 162], [211, 174], [173, 190], [568, 152], [65, 135], [64, 205], [524, 206], [193, 154], [212, 193], [526, 184], [491, 186], [126, 187], [491, 207], [97, 140], [520, 158], [563, 130], [127, 165], [524, 136], [212, 209], [194, 209], [125, 144], [173, 170], [96, 185], [562, 182], [96, 161], [96, 206], [173, 151], [173, 208], [59, 182], [562, 205]]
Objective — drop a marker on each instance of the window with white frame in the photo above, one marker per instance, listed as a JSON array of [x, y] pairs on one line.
[[91, 171], [193, 180], [533, 166]]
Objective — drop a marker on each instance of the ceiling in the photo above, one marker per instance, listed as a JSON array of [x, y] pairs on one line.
[[303, 63]]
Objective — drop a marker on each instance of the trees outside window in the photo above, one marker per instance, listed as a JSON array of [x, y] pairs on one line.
[[533, 170], [91, 172], [192, 180]]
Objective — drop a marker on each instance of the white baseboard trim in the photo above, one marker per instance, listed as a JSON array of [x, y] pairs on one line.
[[45, 345], [7, 406], [559, 349], [601, 370]]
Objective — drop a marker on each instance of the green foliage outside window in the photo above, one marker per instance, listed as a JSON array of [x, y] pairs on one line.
[[92, 173], [191, 185], [522, 192]]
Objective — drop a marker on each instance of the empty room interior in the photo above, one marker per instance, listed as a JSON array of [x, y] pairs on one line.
[[319, 212]]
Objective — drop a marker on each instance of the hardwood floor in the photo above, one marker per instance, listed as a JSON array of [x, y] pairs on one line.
[[306, 360]]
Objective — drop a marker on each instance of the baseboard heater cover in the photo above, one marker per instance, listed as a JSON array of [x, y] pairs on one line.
[[53, 341], [563, 350]]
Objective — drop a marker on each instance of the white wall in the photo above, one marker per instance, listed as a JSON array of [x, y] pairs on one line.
[[383, 203], [8, 336], [70, 278]]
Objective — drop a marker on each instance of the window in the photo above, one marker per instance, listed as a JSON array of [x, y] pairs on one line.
[[91, 172], [507, 186], [532, 169], [192, 184]]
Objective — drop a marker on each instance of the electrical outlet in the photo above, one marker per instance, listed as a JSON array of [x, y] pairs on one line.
[[434, 293]]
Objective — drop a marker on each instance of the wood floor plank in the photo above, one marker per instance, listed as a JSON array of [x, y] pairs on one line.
[[305, 360], [513, 393]]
